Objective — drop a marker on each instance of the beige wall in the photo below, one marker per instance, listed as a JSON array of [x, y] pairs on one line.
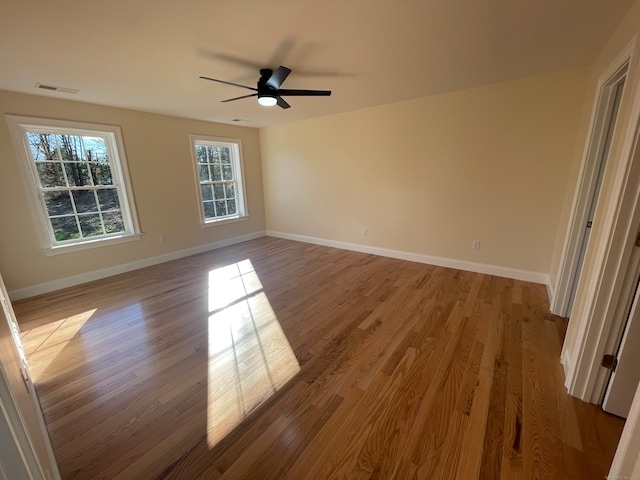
[[159, 158], [429, 176]]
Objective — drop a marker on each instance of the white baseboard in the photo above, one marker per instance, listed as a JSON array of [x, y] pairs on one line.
[[58, 284], [53, 285], [498, 271], [551, 292]]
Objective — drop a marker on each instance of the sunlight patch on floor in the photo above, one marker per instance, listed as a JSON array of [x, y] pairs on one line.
[[50, 340], [249, 354]]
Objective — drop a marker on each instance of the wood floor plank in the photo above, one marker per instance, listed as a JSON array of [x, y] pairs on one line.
[[275, 359], [512, 447]]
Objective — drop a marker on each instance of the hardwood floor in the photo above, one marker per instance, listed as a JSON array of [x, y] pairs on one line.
[[274, 359]]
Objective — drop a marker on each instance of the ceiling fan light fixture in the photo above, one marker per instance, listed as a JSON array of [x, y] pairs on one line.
[[267, 101]]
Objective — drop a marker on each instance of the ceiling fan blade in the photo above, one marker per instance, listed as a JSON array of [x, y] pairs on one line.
[[282, 103], [237, 60], [229, 83], [278, 77], [304, 93], [239, 98]]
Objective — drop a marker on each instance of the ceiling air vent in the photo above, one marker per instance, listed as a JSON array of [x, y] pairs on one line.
[[53, 88]]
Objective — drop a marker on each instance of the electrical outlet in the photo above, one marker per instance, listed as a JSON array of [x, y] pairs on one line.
[[300, 223], [476, 245], [365, 231], [163, 239]]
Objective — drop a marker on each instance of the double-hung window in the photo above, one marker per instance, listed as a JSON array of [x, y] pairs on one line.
[[218, 170], [77, 179]]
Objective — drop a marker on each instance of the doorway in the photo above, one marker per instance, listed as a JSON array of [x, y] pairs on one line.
[[606, 116]]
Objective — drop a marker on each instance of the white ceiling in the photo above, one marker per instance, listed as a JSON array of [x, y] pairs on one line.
[[148, 54]]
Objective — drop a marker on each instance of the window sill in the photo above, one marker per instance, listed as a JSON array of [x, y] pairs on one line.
[[224, 221], [101, 242]]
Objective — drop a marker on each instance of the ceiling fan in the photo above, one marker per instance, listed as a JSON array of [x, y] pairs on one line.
[[269, 92]]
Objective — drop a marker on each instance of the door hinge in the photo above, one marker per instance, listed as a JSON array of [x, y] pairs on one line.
[[638, 239], [589, 224], [610, 362]]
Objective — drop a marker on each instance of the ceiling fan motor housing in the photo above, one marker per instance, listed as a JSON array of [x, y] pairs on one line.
[[265, 90]]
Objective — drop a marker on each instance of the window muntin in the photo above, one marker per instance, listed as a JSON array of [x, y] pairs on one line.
[[77, 180], [219, 176]]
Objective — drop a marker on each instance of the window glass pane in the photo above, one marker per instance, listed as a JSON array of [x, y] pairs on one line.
[[231, 207], [218, 191], [50, 174], [95, 150], [69, 147], [209, 210], [43, 147], [85, 201], [90, 225], [58, 203], [77, 174], [101, 173], [65, 228], [201, 153], [225, 156], [204, 173], [108, 199], [214, 154], [207, 192], [217, 175], [113, 222], [227, 172], [221, 208], [230, 190], [55, 141]]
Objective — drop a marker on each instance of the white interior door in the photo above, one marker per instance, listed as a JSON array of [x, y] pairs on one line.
[[19, 404], [626, 376]]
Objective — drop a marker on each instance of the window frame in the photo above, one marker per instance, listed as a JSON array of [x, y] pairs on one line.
[[237, 165], [19, 126]]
